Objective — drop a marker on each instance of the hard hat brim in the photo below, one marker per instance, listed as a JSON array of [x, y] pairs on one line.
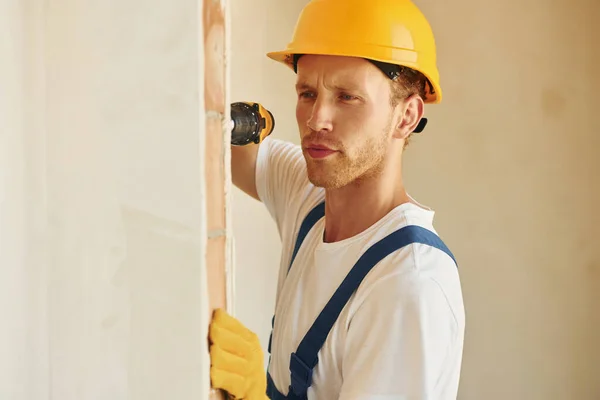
[[286, 57]]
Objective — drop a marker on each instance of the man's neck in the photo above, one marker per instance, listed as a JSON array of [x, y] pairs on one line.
[[354, 208]]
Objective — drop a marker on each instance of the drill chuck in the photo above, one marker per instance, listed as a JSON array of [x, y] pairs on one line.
[[251, 123]]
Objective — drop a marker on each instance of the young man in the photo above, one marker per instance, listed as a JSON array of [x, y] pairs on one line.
[[369, 303]]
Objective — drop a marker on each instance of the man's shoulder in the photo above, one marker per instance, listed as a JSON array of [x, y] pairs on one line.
[[426, 256], [417, 269], [415, 263], [425, 249], [416, 275]]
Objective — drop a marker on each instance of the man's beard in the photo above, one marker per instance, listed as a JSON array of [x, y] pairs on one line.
[[347, 167]]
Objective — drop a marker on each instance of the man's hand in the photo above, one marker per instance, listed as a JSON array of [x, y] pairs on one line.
[[236, 359]]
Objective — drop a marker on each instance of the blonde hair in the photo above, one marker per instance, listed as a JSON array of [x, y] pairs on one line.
[[407, 83]]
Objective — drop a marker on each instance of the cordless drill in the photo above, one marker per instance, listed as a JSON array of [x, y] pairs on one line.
[[251, 123]]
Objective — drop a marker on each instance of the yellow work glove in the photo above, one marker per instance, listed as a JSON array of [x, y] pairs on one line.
[[236, 359]]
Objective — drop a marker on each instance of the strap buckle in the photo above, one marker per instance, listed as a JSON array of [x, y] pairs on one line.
[[301, 376]]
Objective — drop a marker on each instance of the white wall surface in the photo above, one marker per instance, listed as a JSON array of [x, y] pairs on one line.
[[508, 161], [102, 291]]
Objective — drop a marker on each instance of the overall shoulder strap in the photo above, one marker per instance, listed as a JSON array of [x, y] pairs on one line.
[[305, 358], [310, 220]]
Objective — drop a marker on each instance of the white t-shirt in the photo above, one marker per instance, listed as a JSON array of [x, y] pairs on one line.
[[401, 334]]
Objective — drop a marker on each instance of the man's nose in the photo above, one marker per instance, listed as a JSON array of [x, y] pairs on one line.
[[321, 117]]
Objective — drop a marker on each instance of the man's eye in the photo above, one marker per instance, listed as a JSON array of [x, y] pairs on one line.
[[347, 97], [306, 95]]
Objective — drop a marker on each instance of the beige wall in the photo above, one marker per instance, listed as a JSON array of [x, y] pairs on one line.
[[508, 162], [102, 201], [510, 166]]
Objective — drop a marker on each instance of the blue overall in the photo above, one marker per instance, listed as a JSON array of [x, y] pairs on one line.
[[304, 360]]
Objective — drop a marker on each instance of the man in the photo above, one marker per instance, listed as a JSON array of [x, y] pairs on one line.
[[369, 303]]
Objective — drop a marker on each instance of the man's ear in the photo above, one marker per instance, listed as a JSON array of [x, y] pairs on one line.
[[411, 111]]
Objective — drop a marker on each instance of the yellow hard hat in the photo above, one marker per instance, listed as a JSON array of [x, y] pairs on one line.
[[385, 31]]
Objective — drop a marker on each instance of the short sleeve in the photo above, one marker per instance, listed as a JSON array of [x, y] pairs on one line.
[[281, 180], [399, 341]]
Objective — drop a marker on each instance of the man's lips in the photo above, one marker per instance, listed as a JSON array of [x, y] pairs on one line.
[[319, 151]]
